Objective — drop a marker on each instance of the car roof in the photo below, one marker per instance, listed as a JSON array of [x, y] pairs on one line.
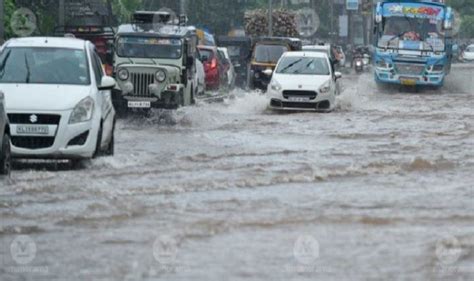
[[305, 54], [316, 47], [47, 42]]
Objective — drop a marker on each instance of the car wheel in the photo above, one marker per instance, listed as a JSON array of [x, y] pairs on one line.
[[5, 156], [111, 146], [192, 99], [98, 149]]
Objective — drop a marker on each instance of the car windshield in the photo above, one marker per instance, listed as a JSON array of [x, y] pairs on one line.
[[44, 66], [411, 33], [303, 65], [149, 47], [269, 53], [205, 55]]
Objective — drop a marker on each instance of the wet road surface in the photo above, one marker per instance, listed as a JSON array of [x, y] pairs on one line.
[[379, 189]]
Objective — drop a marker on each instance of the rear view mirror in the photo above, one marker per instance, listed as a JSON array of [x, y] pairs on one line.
[[337, 75], [268, 72], [107, 83]]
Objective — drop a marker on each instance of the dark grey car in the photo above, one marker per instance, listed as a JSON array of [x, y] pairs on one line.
[[5, 155]]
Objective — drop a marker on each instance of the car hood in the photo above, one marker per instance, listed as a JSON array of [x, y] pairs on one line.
[[38, 97], [469, 55], [295, 82]]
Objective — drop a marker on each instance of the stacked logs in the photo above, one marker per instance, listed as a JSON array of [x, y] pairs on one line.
[[284, 23]]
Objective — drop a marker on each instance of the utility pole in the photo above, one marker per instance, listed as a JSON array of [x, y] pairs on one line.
[[331, 18], [270, 18], [62, 21], [182, 7], [2, 24]]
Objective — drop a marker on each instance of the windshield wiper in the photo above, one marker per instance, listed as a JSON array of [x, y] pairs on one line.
[[27, 80], [290, 65]]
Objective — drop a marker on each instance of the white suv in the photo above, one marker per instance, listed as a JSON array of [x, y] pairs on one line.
[[58, 99]]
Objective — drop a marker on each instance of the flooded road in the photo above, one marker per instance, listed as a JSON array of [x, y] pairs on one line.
[[380, 189]]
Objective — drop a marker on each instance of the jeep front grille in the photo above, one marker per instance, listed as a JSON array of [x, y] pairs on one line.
[[140, 83]]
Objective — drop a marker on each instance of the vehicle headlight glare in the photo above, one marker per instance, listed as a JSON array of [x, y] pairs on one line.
[[123, 74], [83, 111], [160, 76]]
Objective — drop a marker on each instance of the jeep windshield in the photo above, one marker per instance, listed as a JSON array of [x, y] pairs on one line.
[[44, 66], [149, 47], [269, 53]]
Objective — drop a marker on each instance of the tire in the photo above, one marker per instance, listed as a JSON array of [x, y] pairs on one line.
[[98, 149], [111, 146], [193, 99], [5, 156]]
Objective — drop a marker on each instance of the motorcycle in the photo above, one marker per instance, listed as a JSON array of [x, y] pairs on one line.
[[358, 64]]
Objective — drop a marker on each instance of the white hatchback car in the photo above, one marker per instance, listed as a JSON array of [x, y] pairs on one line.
[[58, 98], [468, 54], [303, 81]]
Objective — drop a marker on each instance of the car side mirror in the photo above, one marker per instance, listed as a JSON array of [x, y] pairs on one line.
[[337, 75], [268, 72], [107, 83]]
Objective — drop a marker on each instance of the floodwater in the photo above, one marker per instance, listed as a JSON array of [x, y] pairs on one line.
[[379, 189]]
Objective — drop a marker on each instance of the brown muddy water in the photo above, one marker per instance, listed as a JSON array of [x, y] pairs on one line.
[[379, 189]]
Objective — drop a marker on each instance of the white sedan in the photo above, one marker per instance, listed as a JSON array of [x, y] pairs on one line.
[[303, 81], [58, 99]]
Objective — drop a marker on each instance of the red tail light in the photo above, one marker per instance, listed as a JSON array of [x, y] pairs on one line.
[[214, 63]]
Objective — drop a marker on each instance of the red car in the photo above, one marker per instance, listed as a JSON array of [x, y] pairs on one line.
[[214, 69]]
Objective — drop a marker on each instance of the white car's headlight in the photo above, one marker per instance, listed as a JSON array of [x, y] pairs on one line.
[[325, 88], [122, 74], [275, 86], [160, 76], [83, 111]]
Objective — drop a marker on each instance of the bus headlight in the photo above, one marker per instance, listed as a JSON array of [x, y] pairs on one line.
[[381, 63]]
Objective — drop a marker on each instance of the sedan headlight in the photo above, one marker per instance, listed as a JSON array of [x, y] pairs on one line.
[[122, 74], [325, 88], [83, 111], [160, 76], [275, 86]]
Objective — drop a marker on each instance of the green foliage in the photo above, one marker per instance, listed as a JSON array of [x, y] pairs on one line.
[[466, 9], [9, 10]]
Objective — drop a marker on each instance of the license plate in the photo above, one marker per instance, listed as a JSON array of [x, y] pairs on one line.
[[298, 99], [139, 104], [32, 130], [408, 81]]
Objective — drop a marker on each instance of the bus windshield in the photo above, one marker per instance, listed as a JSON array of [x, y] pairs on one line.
[[411, 33]]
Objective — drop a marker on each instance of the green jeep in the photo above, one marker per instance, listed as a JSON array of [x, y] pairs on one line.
[[154, 63]]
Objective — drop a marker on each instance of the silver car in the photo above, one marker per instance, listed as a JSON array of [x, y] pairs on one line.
[[5, 154]]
